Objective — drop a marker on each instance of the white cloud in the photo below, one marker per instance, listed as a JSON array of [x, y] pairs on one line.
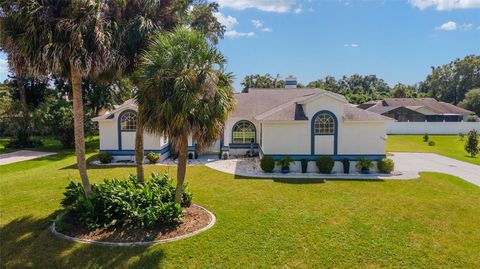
[[448, 26], [228, 21], [466, 26], [258, 24], [352, 45], [445, 4], [235, 34], [298, 10], [279, 6]]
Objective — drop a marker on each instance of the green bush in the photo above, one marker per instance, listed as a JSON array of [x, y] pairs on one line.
[[425, 137], [431, 143], [285, 162], [116, 202], [471, 145], [267, 164], [325, 164], [385, 166], [153, 157], [105, 157]]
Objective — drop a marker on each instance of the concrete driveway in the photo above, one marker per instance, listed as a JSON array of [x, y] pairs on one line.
[[22, 155], [431, 162]]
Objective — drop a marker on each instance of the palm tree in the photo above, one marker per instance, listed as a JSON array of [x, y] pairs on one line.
[[69, 39], [139, 19], [183, 92]]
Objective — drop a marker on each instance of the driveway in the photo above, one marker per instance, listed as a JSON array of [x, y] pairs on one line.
[[431, 162], [22, 155]]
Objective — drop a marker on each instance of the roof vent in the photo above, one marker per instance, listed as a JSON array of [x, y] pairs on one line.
[[291, 82]]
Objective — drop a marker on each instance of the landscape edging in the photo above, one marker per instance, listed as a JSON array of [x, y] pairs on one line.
[[143, 243]]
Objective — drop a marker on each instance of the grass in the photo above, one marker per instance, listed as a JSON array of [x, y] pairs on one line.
[[447, 145], [426, 223]]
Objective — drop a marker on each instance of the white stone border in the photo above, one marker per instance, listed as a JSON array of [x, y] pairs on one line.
[[213, 220]]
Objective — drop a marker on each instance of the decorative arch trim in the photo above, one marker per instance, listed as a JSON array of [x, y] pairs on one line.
[[335, 134], [119, 126]]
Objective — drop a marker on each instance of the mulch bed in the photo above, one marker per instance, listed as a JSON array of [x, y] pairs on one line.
[[194, 219]]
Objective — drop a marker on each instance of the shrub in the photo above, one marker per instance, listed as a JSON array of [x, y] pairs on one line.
[[325, 164], [285, 162], [425, 137], [116, 202], [304, 165], [431, 143], [471, 145], [364, 163], [153, 157], [346, 166], [462, 136], [267, 164], [105, 157], [190, 155], [385, 166]]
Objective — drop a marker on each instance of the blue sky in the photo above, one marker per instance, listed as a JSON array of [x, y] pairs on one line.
[[396, 40]]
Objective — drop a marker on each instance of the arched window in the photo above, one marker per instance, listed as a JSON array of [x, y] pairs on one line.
[[129, 121], [324, 124], [243, 132]]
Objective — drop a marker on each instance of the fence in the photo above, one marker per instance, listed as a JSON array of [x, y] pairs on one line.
[[432, 127]]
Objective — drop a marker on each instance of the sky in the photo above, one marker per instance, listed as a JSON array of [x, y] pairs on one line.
[[397, 40]]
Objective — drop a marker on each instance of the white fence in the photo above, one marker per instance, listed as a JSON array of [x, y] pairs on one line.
[[432, 127]]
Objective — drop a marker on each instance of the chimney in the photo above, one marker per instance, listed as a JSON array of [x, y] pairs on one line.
[[290, 82]]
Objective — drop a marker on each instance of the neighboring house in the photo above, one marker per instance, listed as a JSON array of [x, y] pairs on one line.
[[301, 123], [417, 110]]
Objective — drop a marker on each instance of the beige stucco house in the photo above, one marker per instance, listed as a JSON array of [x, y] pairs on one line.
[[301, 123]]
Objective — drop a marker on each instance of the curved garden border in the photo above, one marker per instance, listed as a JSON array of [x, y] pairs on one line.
[[143, 243]]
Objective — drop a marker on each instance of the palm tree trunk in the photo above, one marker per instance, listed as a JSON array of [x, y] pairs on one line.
[[76, 82], [139, 150], [181, 168], [25, 134]]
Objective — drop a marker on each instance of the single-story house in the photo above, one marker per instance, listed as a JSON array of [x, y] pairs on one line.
[[417, 110], [301, 123]]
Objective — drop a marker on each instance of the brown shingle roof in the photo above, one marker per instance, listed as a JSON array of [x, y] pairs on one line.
[[352, 113], [436, 106]]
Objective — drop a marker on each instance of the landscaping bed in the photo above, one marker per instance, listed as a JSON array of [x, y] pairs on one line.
[[195, 219]]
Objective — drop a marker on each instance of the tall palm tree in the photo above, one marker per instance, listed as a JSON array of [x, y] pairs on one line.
[[139, 19], [184, 92], [69, 39]]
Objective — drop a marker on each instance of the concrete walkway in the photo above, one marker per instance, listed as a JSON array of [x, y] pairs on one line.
[[22, 155], [430, 162]]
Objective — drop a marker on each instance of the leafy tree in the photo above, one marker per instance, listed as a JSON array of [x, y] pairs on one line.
[[69, 39], [184, 92], [261, 81], [471, 145], [450, 82], [472, 101]]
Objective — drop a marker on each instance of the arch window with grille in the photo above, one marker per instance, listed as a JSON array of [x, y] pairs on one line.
[[324, 124], [243, 133], [129, 121]]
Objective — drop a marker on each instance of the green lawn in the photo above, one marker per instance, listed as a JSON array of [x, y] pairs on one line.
[[427, 223], [447, 145]]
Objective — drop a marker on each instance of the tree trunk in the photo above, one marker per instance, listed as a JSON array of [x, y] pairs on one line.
[[76, 82], [139, 149], [26, 124], [181, 168]]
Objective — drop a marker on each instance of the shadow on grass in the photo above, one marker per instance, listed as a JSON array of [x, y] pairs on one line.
[[28, 242]]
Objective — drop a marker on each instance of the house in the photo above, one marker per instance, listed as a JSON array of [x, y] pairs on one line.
[[417, 110], [301, 123]]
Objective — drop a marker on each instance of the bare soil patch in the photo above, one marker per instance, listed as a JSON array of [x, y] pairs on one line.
[[194, 218]]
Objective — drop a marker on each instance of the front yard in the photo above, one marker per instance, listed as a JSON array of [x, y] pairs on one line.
[[446, 145], [430, 222]]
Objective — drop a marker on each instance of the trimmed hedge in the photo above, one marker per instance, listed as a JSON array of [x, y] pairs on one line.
[[385, 166], [105, 157], [153, 157], [267, 164], [115, 202], [325, 164]]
